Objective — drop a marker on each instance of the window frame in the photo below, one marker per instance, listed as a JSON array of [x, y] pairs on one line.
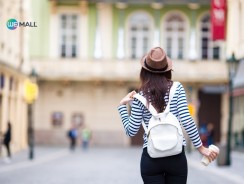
[[128, 35], [70, 32], [185, 36], [211, 45], [77, 116], [53, 120]]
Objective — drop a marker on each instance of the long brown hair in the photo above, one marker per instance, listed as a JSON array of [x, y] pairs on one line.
[[154, 87]]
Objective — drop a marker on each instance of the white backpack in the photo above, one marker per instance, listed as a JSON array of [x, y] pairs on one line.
[[164, 133]]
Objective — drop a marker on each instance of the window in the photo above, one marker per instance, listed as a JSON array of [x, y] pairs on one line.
[[57, 119], [208, 49], [1, 81], [69, 35], [175, 36], [77, 119], [139, 35]]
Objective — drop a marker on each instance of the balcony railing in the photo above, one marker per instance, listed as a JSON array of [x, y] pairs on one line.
[[198, 71]]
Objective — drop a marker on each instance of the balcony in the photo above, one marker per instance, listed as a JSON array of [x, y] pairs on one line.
[[75, 69]]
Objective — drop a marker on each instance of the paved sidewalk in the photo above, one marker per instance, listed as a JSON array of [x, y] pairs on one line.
[[39, 152], [105, 166], [233, 173]]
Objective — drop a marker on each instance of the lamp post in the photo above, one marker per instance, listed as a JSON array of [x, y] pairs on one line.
[[232, 67], [31, 93], [30, 132]]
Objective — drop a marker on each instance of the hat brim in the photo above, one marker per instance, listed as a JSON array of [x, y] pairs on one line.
[[169, 61]]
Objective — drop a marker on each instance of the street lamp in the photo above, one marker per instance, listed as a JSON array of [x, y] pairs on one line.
[[232, 67], [31, 92]]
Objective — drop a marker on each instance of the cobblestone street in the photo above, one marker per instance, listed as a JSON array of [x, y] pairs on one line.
[[104, 166]]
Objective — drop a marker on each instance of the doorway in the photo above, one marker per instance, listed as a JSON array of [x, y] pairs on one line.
[[210, 111]]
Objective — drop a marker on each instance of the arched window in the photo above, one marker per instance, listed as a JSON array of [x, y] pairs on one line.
[[139, 35], [209, 50], [175, 36]]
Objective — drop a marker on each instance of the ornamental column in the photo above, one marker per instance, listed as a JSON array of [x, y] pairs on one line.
[[120, 53]]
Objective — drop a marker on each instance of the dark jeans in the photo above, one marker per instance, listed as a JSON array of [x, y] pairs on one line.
[[72, 143], [85, 144], [166, 170], [7, 145]]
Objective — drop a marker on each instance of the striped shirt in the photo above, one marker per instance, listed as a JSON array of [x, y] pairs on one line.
[[178, 107]]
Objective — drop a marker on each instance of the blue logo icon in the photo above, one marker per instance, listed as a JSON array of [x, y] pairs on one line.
[[12, 24]]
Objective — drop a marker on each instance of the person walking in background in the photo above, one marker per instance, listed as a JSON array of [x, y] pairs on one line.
[[210, 128], [203, 132], [1, 142], [155, 78], [6, 142], [72, 135], [85, 137]]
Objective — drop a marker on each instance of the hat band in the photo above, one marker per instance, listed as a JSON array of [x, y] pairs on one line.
[[155, 69]]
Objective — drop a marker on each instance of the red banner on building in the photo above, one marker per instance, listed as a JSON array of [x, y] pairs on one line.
[[218, 19]]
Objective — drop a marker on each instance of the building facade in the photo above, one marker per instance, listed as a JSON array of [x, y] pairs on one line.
[[235, 44], [87, 55], [13, 67]]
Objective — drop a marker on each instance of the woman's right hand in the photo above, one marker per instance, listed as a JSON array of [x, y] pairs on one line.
[[210, 154], [127, 98]]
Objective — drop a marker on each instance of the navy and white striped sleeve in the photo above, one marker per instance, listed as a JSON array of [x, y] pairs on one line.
[[186, 119], [133, 122]]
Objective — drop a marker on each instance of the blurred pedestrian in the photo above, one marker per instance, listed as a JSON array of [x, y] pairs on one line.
[[242, 134], [203, 132], [6, 142], [1, 142], [210, 128], [85, 137], [72, 135], [155, 77]]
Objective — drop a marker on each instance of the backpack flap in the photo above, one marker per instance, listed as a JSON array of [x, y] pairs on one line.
[[163, 138]]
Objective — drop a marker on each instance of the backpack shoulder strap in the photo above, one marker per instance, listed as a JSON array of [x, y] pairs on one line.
[[151, 109], [171, 94], [143, 100]]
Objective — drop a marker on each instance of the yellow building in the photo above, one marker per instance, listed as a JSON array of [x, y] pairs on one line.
[[13, 66]]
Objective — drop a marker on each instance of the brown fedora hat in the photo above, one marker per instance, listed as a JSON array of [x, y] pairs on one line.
[[156, 61]]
